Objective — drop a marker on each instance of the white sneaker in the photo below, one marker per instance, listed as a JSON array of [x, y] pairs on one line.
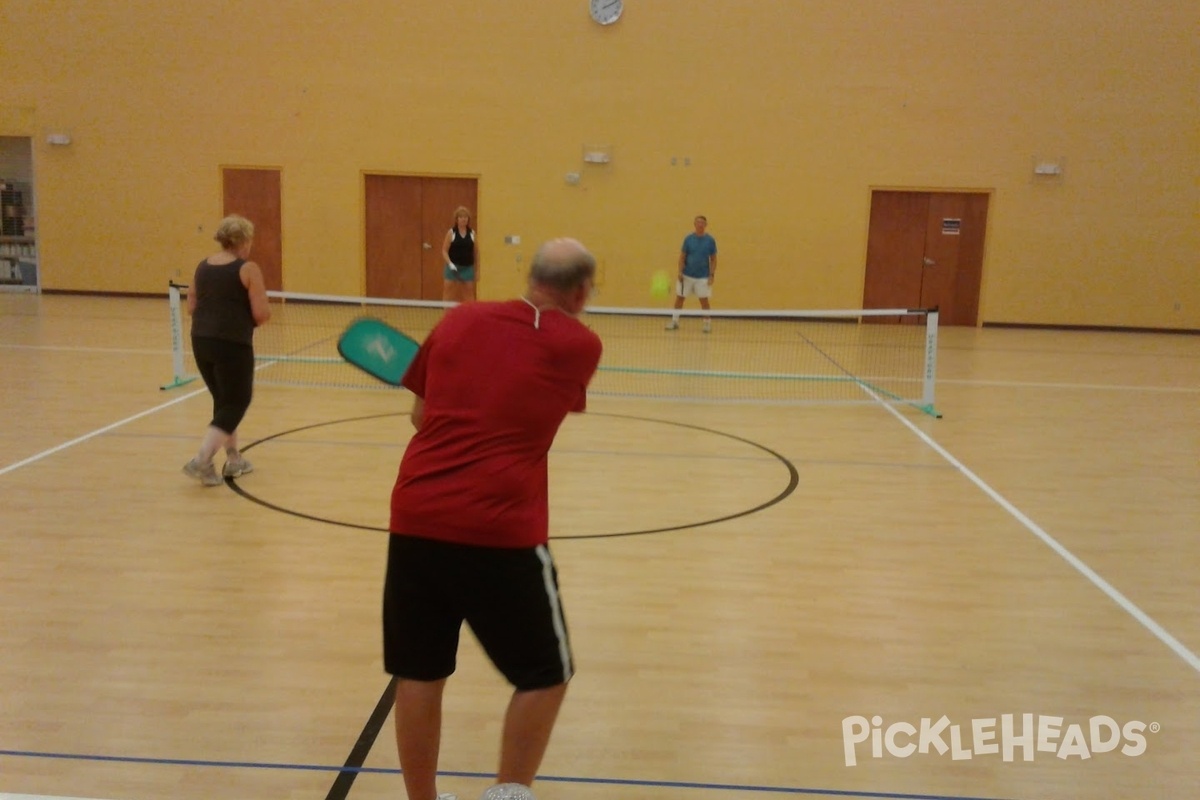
[[672, 325], [447, 796], [237, 467], [205, 473], [508, 791]]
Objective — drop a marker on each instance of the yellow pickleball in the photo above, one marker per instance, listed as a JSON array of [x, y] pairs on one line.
[[660, 284]]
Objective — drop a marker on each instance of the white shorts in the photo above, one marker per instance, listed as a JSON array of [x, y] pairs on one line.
[[697, 287]]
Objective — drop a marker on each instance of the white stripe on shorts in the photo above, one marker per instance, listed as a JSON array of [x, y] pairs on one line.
[[560, 629]]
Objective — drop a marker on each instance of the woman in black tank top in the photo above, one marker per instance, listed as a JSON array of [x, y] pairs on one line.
[[460, 253], [227, 301]]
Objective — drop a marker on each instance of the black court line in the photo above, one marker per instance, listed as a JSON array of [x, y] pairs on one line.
[[793, 480], [695, 785], [362, 748], [366, 740]]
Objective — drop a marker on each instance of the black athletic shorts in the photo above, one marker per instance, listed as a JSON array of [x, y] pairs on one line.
[[509, 597]]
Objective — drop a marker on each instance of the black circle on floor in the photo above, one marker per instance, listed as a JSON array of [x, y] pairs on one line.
[[793, 479]]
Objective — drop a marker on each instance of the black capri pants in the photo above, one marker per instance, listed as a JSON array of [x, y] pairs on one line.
[[509, 598], [228, 372]]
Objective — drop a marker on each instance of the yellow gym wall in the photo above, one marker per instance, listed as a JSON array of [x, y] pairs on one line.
[[789, 112]]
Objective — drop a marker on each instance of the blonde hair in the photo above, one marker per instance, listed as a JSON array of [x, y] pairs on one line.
[[462, 211], [234, 231]]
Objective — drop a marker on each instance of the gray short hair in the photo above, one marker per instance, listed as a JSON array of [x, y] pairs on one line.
[[562, 264]]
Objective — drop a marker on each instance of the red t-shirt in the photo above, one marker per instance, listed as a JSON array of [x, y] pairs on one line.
[[496, 390]]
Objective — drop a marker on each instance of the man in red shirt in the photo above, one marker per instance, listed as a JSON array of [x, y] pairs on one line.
[[469, 518]]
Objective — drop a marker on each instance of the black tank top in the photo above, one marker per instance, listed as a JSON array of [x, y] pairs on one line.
[[222, 303], [462, 249]]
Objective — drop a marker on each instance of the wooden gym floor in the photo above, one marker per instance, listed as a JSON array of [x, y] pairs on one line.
[[1034, 552]]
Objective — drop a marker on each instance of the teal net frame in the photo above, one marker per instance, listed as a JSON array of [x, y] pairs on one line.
[[790, 357], [843, 356], [298, 347], [179, 375]]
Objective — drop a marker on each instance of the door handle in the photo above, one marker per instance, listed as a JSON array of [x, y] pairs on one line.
[[929, 262], [426, 245]]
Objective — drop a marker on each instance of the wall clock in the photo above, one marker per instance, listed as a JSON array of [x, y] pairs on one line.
[[606, 12]]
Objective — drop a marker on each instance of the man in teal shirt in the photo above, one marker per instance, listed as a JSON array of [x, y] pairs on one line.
[[697, 270]]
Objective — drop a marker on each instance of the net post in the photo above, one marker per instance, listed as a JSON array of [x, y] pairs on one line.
[[930, 379], [179, 378]]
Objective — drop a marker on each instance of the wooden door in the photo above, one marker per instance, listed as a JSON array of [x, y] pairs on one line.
[[925, 250], [255, 194], [393, 236], [895, 242], [407, 218]]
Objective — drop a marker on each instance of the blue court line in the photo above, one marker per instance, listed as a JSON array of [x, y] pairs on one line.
[[730, 787]]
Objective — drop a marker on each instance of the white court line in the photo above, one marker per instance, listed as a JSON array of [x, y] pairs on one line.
[[1124, 602], [1121, 600], [92, 435], [1116, 387], [107, 428]]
